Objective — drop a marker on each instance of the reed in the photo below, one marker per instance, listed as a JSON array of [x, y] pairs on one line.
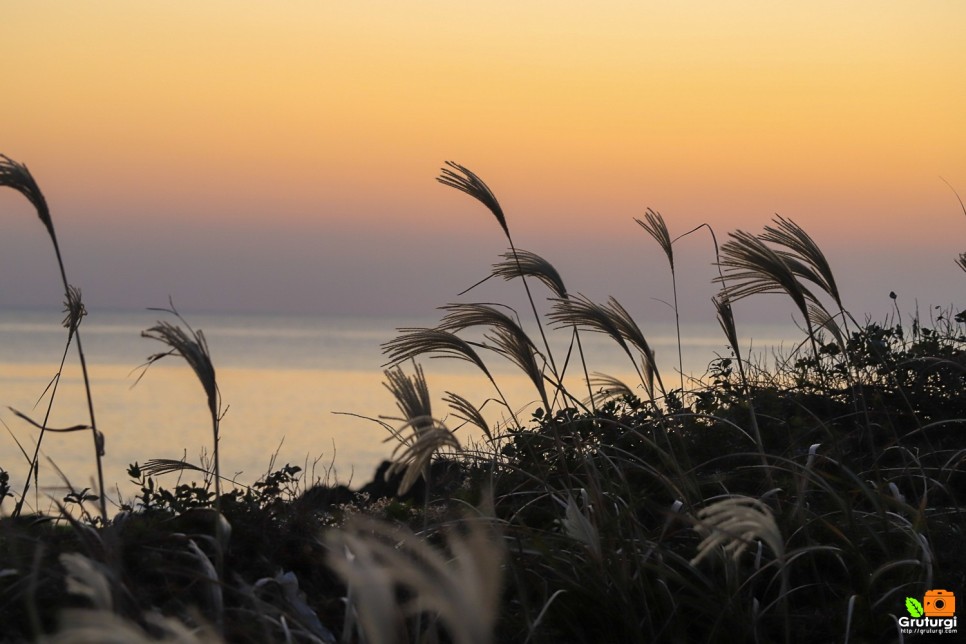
[[414, 342], [460, 588], [16, 176], [505, 337], [192, 347], [465, 180], [654, 225], [752, 268], [523, 263], [614, 321], [416, 450]]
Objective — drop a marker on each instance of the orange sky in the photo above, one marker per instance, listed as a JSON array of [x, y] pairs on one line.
[[250, 155]]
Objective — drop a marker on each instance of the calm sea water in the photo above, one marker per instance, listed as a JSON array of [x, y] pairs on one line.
[[283, 379]]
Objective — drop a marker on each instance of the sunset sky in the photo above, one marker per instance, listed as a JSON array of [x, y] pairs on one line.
[[280, 156]]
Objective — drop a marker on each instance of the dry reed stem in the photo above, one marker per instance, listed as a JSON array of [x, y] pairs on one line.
[[507, 337], [656, 227]]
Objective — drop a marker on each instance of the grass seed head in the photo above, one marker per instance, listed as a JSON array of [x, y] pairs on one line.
[[527, 264], [463, 179], [654, 224], [16, 175]]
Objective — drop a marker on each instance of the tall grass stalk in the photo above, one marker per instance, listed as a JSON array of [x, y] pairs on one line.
[[506, 337], [655, 226], [465, 180], [522, 263], [726, 319], [16, 175], [75, 311], [193, 348]]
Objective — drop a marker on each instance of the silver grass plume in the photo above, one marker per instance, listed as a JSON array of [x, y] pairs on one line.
[[414, 342], [821, 320], [529, 264], [605, 387], [461, 585], [411, 394], [726, 318], [519, 350], [415, 451], [525, 264], [463, 316], [75, 310], [656, 228], [507, 337], [465, 180], [466, 411], [629, 330], [16, 175], [193, 348], [733, 524], [93, 581], [580, 311], [159, 466], [790, 235], [613, 320], [751, 267], [88, 579], [654, 224]]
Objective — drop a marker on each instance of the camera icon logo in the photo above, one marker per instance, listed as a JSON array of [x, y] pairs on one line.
[[939, 603]]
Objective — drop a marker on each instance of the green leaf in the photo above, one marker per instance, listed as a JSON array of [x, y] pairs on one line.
[[914, 607]]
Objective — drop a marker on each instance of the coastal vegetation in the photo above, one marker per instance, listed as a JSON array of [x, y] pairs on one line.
[[802, 500]]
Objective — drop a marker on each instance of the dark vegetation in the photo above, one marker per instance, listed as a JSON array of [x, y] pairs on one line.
[[801, 502]]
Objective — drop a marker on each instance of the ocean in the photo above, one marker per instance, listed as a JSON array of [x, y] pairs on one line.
[[296, 389]]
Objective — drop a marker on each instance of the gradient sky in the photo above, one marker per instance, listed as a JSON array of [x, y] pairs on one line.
[[256, 156]]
